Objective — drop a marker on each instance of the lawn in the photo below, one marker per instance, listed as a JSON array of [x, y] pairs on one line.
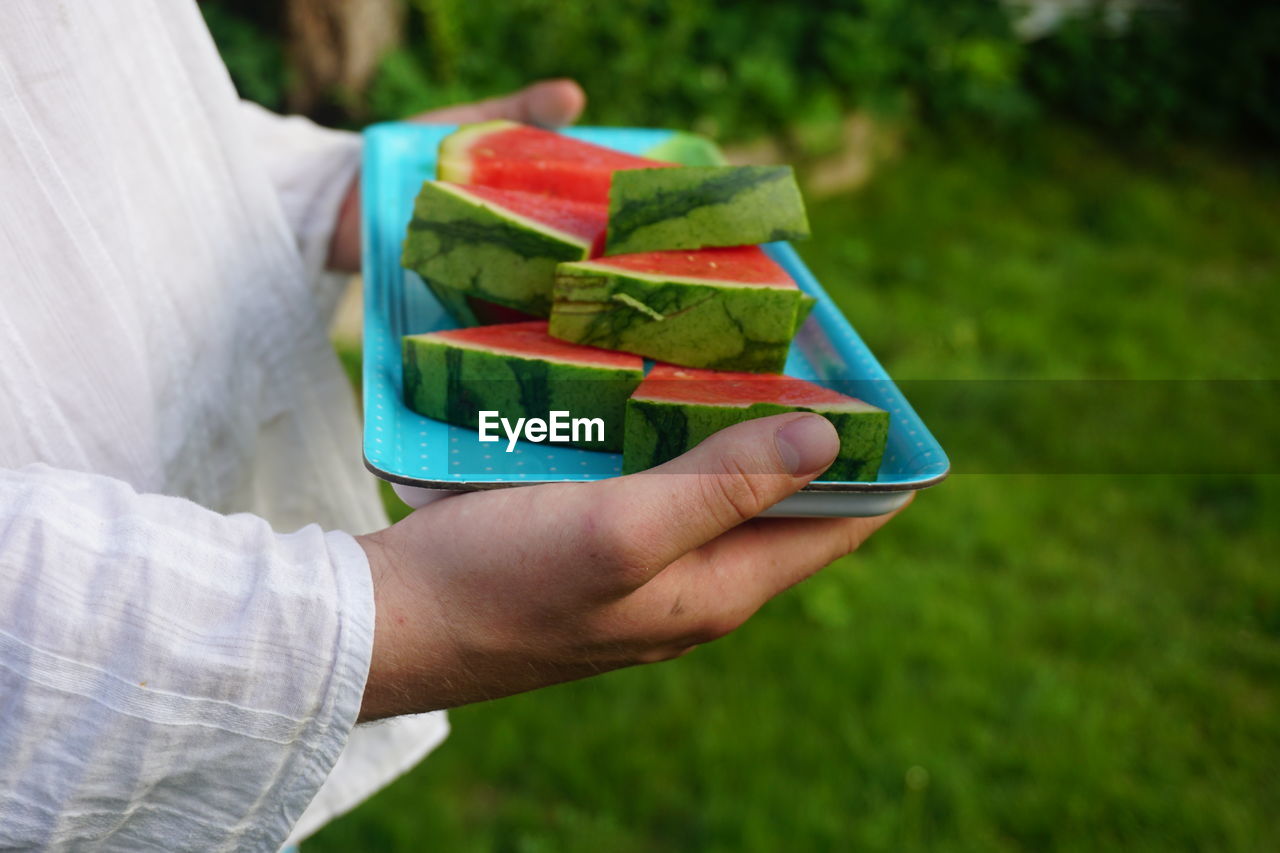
[[1033, 657]]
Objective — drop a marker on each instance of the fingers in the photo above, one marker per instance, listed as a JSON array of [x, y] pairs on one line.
[[714, 590], [549, 103], [766, 556], [657, 516]]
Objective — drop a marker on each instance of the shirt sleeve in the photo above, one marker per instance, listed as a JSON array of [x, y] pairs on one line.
[[311, 168], [170, 678]]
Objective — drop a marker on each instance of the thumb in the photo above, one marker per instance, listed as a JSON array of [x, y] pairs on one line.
[[732, 476]]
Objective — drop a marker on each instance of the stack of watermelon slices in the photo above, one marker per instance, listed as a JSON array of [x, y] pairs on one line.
[[622, 254], [516, 206]]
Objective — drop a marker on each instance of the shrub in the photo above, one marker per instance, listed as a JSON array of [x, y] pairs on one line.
[[741, 69]]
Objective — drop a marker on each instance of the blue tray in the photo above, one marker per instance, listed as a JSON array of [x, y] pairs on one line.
[[424, 458]]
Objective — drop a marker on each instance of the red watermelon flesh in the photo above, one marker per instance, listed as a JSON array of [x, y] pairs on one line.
[[531, 340], [507, 155], [747, 265], [671, 384], [581, 219]]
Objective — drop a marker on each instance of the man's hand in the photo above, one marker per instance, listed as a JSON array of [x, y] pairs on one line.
[[551, 103], [486, 594]]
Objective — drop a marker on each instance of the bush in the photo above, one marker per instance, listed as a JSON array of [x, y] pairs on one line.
[[253, 49], [1204, 67], [742, 69], [730, 69]]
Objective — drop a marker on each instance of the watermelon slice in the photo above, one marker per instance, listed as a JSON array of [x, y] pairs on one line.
[[518, 371], [729, 308], [675, 408], [687, 149], [697, 206], [470, 311], [512, 156], [497, 245]]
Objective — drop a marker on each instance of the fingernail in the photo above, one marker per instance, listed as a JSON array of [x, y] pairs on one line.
[[807, 444]]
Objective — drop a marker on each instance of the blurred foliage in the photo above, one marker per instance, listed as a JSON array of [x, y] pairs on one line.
[[745, 68], [738, 70], [1208, 67], [249, 40]]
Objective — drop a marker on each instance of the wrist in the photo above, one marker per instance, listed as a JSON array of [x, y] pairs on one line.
[[419, 661]]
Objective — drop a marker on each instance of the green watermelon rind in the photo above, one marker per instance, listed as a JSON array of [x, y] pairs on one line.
[[658, 431], [687, 149], [453, 301], [472, 247], [723, 326], [703, 206], [454, 383], [803, 310]]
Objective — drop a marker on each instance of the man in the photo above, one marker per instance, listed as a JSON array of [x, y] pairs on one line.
[[175, 672]]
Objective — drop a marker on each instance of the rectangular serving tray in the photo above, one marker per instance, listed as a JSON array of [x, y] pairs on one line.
[[425, 459]]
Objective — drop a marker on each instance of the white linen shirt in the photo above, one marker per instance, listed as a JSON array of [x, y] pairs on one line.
[[183, 646]]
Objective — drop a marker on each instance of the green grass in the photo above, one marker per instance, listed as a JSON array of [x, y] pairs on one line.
[[1035, 662]]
